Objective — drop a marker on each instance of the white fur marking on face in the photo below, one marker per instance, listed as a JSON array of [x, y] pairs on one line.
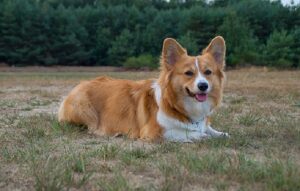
[[200, 78]]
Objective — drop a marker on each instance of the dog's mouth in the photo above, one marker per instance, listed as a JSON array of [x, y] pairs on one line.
[[200, 97]]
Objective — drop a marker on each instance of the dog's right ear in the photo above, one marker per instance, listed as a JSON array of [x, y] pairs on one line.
[[171, 52]]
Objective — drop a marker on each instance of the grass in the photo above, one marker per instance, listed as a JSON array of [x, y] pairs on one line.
[[105, 152], [248, 119], [260, 111], [118, 183], [7, 104]]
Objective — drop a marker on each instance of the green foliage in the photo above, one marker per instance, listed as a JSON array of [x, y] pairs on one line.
[[190, 43], [121, 48], [278, 51], [295, 47], [142, 61], [76, 32], [242, 45], [203, 23]]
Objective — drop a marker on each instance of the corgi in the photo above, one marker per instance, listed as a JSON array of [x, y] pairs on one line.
[[175, 107]]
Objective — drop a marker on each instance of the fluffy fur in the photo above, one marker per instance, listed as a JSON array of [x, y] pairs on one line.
[[171, 107]]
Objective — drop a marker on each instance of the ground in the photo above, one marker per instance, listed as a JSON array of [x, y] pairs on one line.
[[260, 110]]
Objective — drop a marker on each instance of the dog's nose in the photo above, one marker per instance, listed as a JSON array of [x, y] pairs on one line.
[[202, 86]]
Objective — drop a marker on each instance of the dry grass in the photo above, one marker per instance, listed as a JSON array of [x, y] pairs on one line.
[[261, 110]]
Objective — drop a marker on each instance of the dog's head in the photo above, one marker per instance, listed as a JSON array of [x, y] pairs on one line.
[[199, 78]]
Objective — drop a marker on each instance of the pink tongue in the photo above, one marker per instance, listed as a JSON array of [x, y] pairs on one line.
[[201, 97]]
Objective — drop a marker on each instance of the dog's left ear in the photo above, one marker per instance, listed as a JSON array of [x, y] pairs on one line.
[[217, 49]]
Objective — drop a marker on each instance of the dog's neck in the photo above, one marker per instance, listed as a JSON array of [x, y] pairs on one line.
[[187, 112]]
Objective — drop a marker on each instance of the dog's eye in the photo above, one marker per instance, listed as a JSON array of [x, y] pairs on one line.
[[207, 72], [189, 73]]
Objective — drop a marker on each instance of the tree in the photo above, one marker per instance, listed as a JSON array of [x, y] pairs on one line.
[[190, 43], [295, 47], [163, 25], [263, 16], [10, 40], [107, 32], [65, 45], [240, 42], [104, 42], [203, 23], [278, 51], [121, 48]]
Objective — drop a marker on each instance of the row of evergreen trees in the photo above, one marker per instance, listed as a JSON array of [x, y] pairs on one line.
[[114, 32]]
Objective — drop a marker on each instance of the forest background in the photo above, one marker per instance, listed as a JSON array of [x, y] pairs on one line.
[[130, 33]]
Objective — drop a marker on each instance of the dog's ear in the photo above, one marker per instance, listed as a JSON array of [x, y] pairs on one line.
[[217, 49], [171, 52]]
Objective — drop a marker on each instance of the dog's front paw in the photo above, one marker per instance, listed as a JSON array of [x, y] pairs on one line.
[[198, 136]]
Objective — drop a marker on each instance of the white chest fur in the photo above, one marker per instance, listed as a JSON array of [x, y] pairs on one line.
[[197, 111], [175, 130]]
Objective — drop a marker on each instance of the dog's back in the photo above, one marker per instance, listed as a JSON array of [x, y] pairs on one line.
[[111, 106]]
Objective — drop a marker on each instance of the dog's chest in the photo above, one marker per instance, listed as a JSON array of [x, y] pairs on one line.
[[176, 130], [197, 111]]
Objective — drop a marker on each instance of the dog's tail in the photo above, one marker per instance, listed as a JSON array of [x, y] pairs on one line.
[[61, 112]]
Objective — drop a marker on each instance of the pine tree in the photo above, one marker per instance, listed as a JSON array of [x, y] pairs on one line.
[[240, 42], [10, 42], [65, 46], [121, 48], [278, 51]]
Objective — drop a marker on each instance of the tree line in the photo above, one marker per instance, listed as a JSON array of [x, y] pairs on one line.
[[130, 32]]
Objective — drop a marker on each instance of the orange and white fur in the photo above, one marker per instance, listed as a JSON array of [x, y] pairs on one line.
[[174, 107]]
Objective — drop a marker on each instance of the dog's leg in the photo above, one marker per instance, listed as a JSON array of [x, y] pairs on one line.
[[151, 131], [214, 133], [185, 136], [198, 136]]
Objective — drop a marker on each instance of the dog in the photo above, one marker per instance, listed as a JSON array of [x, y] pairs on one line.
[[175, 107]]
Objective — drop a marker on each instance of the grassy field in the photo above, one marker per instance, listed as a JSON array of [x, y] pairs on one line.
[[261, 111]]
